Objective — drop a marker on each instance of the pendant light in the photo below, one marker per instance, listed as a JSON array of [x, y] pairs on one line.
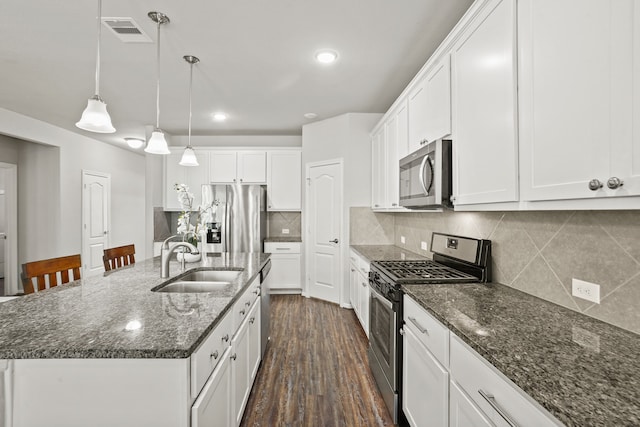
[[95, 117], [189, 156], [157, 144]]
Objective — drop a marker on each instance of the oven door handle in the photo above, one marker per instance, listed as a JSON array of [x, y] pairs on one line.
[[383, 300]]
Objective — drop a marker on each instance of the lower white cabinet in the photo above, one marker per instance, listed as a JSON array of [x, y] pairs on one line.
[[359, 288], [462, 411], [285, 267], [213, 406], [240, 371]]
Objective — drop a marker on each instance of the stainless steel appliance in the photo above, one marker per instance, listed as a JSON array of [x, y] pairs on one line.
[[425, 177], [265, 303], [456, 259], [240, 221]]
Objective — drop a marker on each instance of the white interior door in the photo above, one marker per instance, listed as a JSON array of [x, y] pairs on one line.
[[324, 207], [96, 196], [9, 228]]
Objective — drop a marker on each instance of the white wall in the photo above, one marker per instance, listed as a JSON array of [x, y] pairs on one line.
[[50, 193], [346, 137], [9, 149]]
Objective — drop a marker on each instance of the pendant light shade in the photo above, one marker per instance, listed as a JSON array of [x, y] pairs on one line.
[[95, 117], [157, 144], [189, 156]]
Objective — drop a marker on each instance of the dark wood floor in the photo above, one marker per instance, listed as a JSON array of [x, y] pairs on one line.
[[315, 371]]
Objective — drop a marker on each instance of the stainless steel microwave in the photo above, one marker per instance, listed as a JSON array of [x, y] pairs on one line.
[[425, 177]]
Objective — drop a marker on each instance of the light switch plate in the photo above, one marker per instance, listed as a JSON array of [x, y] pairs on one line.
[[423, 246], [585, 290], [402, 239], [285, 231]]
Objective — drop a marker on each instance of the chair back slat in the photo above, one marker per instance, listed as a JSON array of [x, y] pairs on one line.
[[118, 257], [50, 268]]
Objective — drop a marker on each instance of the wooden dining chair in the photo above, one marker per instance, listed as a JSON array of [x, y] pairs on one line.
[[119, 257], [50, 268]]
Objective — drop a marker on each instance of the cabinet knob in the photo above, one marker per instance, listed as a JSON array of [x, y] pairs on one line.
[[248, 303], [595, 185], [242, 312], [394, 204], [214, 355], [614, 182], [233, 356], [377, 206], [234, 180], [253, 319], [225, 338], [240, 179], [256, 292]]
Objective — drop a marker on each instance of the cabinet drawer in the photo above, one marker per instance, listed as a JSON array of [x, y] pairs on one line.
[[492, 392], [244, 303], [282, 247], [430, 332], [207, 356]]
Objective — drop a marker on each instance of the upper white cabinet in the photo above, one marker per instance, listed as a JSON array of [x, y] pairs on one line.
[[430, 105], [579, 82], [245, 167], [378, 169], [485, 153], [193, 176], [401, 117], [284, 178]]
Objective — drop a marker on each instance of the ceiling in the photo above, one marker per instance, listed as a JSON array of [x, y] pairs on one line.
[[257, 61]]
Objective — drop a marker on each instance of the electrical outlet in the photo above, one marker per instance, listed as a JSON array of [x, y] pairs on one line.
[[402, 240], [285, 231], [585, 290], [423, 246]]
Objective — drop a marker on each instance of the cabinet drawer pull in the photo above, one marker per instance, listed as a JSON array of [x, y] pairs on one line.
[[233, 356], [614, 182], [255, 292], [253, 319], [491, 400], [225, 338], [214, 355], [248, 303], [595, 185], [282, 249], [242, 312], [419, 326]]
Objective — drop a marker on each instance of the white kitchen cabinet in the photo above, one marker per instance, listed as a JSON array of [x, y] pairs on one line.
[[213, 406], [401, 117], [359, 288], [430, 105], [254, 352], [378, 169], [353, 284], [284, 180], [193, 176], [462, 411], [240, 371], [579, 83], [483, 70], [286, 267], [243, 167], [425, 384], [393, 134], [363, 297]]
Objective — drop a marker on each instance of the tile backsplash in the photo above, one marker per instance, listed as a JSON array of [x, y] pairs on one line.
[[284, 220], [538, 252]]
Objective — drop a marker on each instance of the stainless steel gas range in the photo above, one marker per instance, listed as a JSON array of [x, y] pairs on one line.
[[456, 259]]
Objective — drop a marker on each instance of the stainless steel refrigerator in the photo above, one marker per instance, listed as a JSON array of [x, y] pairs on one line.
[[239, 223]]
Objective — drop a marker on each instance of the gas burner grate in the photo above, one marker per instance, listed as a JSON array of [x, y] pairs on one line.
[[423, 271]]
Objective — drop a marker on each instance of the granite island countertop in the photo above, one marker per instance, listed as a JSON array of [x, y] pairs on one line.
[[87, 318], [583, 371]]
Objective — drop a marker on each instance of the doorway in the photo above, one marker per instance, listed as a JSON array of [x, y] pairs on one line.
[[324, 207], [8, 229], [96, 220]]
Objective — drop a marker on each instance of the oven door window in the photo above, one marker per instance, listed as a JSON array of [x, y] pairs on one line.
[[382, 333]]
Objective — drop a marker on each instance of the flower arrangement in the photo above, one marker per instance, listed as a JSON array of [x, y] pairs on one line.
[[203, 214]]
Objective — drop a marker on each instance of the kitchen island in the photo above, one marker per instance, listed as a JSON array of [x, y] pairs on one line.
[[107, 350]]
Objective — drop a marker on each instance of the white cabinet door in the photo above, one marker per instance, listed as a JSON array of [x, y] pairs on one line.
[[222, 167], [285, 272], [392, 184], [579, 97], [213, 406], [252, 167], [353, 287], [173, 174], [196, 176], [438, 107], [240, 371], [418, 115], [462, 411], [363, 297], [254, 342], [484, 107], [378, 169], [284, 180], [402, 120], [425, 385]]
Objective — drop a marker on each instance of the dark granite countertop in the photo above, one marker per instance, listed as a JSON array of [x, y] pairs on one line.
[[87, 318], [385, 253], [292, 239], [583, 371]]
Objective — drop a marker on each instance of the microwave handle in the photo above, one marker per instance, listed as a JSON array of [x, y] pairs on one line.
[[423, 165]]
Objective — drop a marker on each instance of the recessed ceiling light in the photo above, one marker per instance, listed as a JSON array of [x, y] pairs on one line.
[[311, 115], [326, 56], [135, 142], [219, 117]]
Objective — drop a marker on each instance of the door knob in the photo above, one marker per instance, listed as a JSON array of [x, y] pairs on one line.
[[333, 241], [595, 184], [614, 182]]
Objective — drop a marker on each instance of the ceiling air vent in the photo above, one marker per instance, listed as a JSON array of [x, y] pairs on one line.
[[126, 29]]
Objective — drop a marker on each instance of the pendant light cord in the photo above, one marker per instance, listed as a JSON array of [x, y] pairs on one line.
[[98, 49], [190, 92], [158, 81]]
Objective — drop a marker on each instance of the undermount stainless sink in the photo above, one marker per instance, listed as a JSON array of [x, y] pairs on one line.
[[200, 281]]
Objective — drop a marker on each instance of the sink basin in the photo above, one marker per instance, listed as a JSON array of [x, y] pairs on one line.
[[200, 281], [193, 287]]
